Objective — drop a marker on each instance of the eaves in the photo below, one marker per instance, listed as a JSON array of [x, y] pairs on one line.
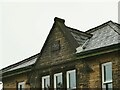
[[98, 51], [17, 71]]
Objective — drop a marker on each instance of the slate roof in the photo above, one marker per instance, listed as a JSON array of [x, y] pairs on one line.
[[24, 63], [79, 36], [104, 35], [100, 36]]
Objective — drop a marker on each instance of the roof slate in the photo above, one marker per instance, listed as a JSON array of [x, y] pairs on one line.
[[104, 35], [79, 37], [115, 26], [24, 63]]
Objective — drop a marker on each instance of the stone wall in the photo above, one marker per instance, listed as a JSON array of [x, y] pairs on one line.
[[52, 61], [12, 81], [93, 78]]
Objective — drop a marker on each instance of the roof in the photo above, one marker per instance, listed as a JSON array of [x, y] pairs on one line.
[[104, 35], [79, 36], [101, 36], [73, 35], [24, 63]]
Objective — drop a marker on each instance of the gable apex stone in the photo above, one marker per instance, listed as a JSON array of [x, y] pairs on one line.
[[56, 19]]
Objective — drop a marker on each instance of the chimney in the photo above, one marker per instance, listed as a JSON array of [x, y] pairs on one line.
[[56, 19]]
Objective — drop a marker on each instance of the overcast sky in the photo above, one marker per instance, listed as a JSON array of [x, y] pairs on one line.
[[25, 24]]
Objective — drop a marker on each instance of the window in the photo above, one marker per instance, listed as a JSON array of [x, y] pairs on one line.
[[21, 85], [58, 81], [107, 76], [71, 79], [1, 85], [46, 82]]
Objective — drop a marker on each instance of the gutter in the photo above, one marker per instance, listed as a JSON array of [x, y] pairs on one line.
[[98, 51], [16, 72]]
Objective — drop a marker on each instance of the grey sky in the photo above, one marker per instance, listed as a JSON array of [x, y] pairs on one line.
[[24, 26]]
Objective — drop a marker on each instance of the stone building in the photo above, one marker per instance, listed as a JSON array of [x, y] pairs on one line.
[[72, 59], [16, 75]]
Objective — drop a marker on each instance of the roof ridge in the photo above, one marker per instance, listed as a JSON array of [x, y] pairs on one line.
[[97, 27], [113, 27], [78, 31]]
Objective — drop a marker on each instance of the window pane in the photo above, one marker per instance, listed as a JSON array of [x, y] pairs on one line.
[[108, 72], [109, 86], [59, 81], [21, 86], [45, 82], [107, 76], [71, 79]]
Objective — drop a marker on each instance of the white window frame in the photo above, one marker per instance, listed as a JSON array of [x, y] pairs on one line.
[[1, 85], [68, 72], [55, 75], [21, 84], [44, 77], [105, 82]]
